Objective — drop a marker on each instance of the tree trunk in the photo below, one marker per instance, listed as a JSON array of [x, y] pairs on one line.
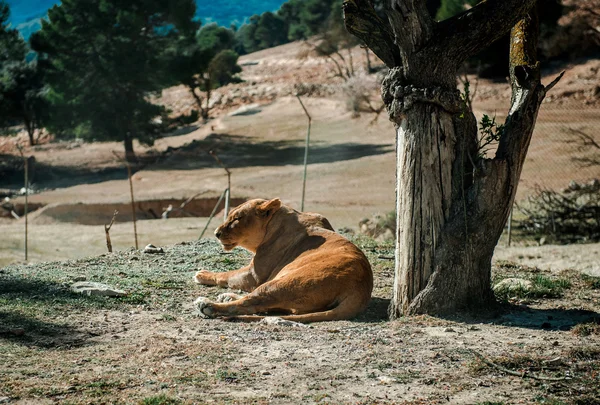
[[452, 203], [30, 127], [129, 153]]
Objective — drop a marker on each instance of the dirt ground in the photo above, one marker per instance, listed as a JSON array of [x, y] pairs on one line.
[[150, 347]]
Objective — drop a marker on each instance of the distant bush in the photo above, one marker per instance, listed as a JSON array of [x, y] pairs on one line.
[[567, 217]]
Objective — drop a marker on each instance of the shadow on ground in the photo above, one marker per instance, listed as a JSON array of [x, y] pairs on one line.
[[44, 176], [241, 151], [376, 312], [522, 316], [33, 313]]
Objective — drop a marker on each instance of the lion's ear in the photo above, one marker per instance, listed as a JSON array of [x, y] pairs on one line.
[[268, 207]]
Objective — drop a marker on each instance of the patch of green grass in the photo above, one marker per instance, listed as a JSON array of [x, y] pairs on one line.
[[541, 287], [134, 298], [591, 281], [405, 376], [227, 375], [163, 284], [161, 399]]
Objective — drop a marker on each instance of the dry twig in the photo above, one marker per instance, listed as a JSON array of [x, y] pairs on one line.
[[107, 230], [524, 374]]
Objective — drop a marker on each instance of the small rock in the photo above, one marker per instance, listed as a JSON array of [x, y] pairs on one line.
[[265, 372], [510, 285], [79, 278], [449, 330], [274, 320], [4, 400], [384, 379], [96, 289], [542, 241], [150, 248]]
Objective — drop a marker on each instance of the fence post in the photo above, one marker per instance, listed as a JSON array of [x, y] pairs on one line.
[[228, 190], [305, 152], [212, 214]]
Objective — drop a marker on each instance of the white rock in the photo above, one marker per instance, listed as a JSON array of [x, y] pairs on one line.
[[150, 248], [274, 320], [96, 289]]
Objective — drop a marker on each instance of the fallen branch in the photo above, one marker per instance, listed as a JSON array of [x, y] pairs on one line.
[[107, 230], [524, 374]]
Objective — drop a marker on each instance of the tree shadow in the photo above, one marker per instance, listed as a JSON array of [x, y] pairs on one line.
[[377, 311], [23, 299], [523, 316], [53, 176], [242, 151]]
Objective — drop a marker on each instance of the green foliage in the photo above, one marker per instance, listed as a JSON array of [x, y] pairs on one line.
[[449, 8], [21, 84], [161, 399], [295, 20], [12, 46], [204, 61], [223, 68], [490, 132], [102, 59]]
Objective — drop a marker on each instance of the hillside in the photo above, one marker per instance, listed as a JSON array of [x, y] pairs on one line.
[[351, 163]]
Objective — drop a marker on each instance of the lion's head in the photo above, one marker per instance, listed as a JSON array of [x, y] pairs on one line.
[[246, 225]]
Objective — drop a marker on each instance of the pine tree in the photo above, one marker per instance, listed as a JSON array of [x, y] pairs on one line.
[[103, 58]]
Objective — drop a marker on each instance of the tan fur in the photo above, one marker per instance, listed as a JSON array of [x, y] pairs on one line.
[[301, 267]]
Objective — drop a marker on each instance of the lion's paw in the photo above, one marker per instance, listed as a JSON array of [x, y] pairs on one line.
[[204, 307], [228, 297], [204, 277]]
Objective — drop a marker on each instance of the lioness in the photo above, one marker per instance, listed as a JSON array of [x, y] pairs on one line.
[[300, 267]]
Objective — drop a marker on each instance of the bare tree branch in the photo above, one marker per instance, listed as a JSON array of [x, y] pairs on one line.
[[468, 33], [362, 21], [527, 93], [411, 23]]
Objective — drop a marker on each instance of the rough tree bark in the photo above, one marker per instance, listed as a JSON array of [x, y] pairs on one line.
[[451, 202]]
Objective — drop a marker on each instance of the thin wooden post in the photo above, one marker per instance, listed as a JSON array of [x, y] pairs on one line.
[[212, 214], [133, 216], [26, 161], [305, 152], [132, 205], [228, 190], [26, 173]]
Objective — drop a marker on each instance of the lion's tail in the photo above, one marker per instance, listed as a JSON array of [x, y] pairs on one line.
[[345, 310]]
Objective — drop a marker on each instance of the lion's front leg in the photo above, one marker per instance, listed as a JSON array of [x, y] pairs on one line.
[[242, 279]]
